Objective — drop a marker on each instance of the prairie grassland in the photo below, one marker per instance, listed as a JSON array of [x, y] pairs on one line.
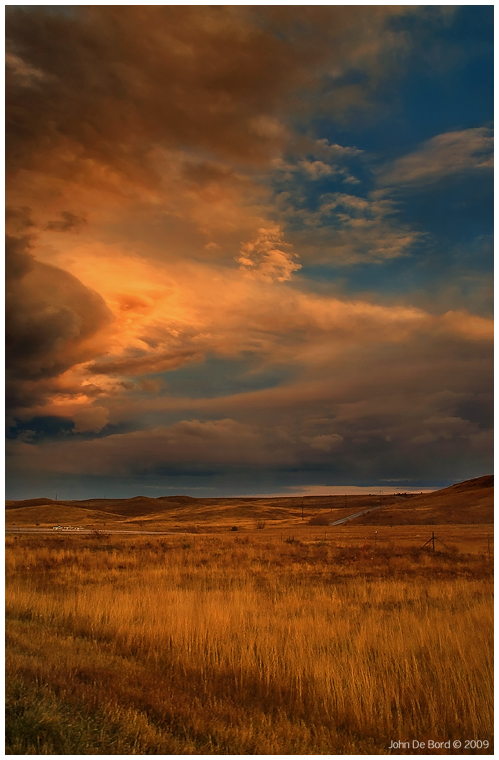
[[243, 645]]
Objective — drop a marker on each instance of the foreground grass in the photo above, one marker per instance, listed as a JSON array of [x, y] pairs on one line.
[[223, 645]]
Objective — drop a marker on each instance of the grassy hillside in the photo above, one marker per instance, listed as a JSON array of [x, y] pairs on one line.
[[165, 512], [55, 514], [469, 502]]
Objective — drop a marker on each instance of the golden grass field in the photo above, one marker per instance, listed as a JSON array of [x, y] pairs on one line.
[[283, 639]]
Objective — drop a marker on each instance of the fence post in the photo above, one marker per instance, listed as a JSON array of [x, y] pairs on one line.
[[432, 541]]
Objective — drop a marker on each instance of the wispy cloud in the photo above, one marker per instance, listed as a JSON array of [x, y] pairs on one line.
[[348, 229], [443, 155]]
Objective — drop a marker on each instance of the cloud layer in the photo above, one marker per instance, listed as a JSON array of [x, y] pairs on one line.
[[201, 227]]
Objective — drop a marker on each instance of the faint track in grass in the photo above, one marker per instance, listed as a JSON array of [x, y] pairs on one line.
[[99, 530]]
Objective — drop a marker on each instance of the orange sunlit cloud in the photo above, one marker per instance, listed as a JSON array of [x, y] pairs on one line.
[[216, 266]]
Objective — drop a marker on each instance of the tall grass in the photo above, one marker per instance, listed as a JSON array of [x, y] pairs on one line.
[[234, 647]]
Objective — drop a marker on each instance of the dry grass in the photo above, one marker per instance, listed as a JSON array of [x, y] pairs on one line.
[[470, 502], [243, 644]]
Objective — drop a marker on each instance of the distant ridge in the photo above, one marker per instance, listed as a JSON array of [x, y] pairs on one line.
[[179, 499], [102, 503], [468, 502], [29, 503], [487, 481]]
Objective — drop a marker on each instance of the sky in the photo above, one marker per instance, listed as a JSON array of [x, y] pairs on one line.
[[249, 249]]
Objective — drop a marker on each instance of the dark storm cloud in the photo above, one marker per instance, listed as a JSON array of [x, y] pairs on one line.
[[50, 316]]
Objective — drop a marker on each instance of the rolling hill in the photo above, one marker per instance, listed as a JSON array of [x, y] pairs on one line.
[[469, 502]]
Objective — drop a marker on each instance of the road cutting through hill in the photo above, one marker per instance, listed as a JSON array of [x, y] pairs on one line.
[[357, 514]]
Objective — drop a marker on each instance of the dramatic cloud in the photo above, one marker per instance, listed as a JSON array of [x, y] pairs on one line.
[[107, 86], [51, 323], [223, 264]]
